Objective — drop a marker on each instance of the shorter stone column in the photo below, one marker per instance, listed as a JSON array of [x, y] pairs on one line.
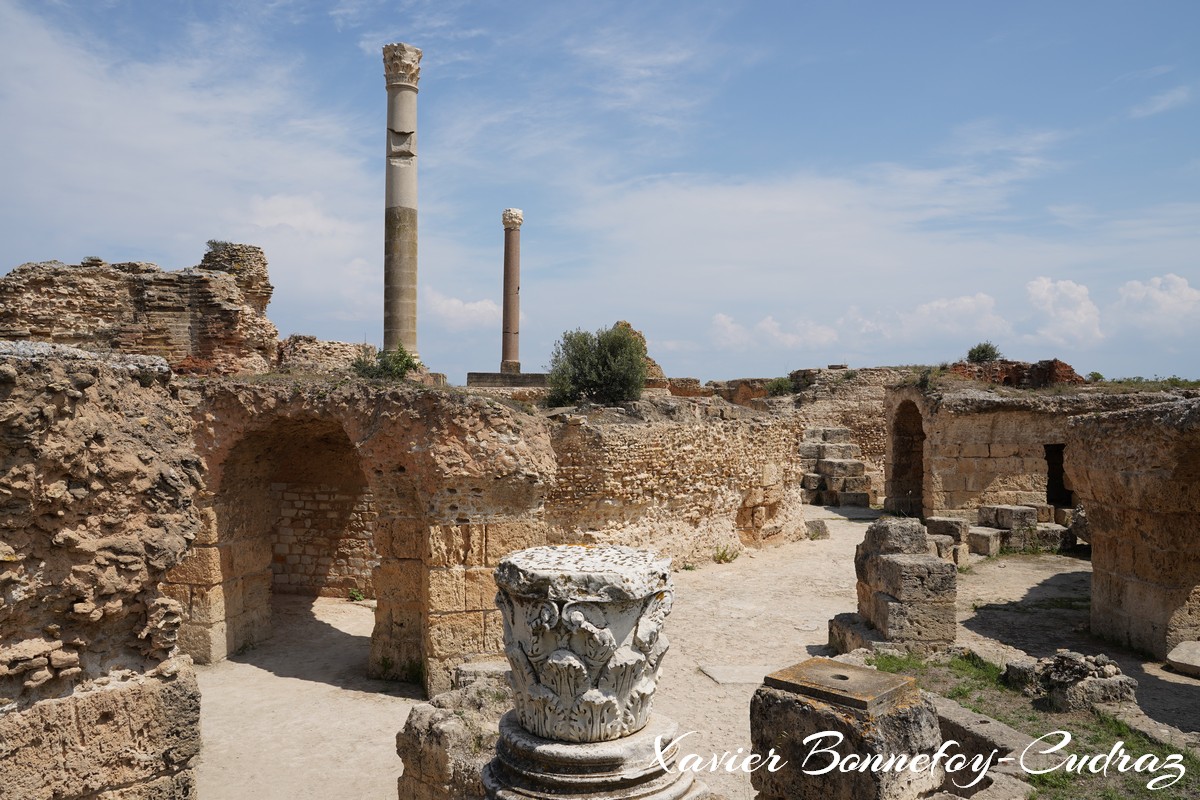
[[583, 635], [510, 349]]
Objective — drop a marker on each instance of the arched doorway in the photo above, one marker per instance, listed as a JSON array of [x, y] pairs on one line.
[[905, 474], [291, 513]]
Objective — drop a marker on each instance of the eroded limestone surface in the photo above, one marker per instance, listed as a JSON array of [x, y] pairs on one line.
[[97, 483], [207, 318]]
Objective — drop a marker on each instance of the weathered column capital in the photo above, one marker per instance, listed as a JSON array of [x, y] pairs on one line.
[[583, 634], [512, 218], [401, 64]]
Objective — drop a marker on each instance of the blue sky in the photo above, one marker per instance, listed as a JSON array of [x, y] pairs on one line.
[[758, 186]]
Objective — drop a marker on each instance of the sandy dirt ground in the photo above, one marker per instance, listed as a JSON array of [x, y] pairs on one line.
[[297, 718]]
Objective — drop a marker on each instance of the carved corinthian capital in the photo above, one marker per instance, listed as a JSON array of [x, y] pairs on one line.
[[401, 64], [512, 218], [583, 635]]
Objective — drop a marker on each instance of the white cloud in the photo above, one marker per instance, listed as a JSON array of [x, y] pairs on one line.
[[964, 316], [801, 335], [1167, 304], [303, 214], [728, 334], [1164, 101], [767, 334], [1067, 314], [460, 315]]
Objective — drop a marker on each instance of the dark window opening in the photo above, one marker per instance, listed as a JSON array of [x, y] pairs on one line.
[[1057, 493]]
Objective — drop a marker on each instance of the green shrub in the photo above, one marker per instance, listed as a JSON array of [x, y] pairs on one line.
[[778, 387], [608, 366], [1095, 377], [983, 353], [391, 365]]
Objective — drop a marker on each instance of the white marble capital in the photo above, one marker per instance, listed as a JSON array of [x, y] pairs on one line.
[[583, 635]]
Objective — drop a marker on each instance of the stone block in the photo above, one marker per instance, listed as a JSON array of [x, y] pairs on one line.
[[953, 527], [861, 483], [456, 545], [984, 541], [848, 632], [912, 578], [480, 589], [201, 566], [928, 622], [206, 644], [503, 538], [836, 435], [780, 720], [813, 450], [847, 451], [1045, 512], [812, 482], [1185, 658], [855, 499], [209, 604], [400, 581], [840, 467], [942, 545], [834, 484], [987, 517], [894, 535], [817, 529], [1064, 516], [447, 589], [451, 635], [129, 740], [1013, 518]]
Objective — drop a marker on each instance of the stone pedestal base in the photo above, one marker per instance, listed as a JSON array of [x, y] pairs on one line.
[[510, 367], [528, 767]]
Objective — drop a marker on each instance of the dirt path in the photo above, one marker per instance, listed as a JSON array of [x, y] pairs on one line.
[[297, 717]]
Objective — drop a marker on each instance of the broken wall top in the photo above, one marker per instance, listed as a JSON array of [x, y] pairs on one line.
[[207, 318]]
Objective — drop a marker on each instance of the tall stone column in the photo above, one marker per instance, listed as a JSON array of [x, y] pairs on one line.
[[402, 68], [510, 350], [583, 635]]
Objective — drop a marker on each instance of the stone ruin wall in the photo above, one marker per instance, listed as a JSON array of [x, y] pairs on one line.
[[426, 489], [981, 448], [208, 318], [854, 399], [98, 477], [688, 489], [1137, 472]]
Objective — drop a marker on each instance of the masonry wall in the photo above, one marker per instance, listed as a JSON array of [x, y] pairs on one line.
[[419, 492], [854, 399], [985, 448], [97, 482], [209, 318], [1141, 490], [323, 541], [688, 489]]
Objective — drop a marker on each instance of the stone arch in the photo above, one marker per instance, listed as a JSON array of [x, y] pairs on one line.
[[905, 473], [289, 511], [1183, 624]]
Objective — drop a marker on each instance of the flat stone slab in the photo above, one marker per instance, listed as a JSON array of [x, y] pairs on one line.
[[1185, 658], [845, 684], [736, 673], [588, 573]]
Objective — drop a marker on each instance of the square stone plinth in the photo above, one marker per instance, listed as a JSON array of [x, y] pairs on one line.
[[807, 713], [845, 684]]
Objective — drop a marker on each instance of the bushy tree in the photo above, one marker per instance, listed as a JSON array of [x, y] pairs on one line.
[[386, 364], [608, 366], [983, 353]]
